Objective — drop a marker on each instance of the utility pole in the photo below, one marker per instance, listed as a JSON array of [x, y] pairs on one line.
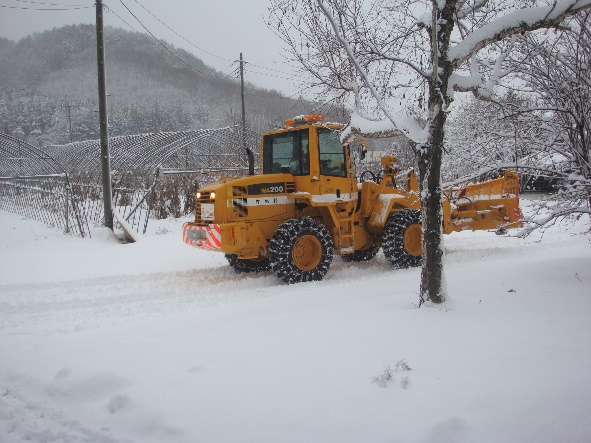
[[243, 106], [69, 119], [248, 151], [102, 90]]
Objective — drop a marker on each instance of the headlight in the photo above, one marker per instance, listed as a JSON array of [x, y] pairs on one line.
[[212, 195], [194, 235]]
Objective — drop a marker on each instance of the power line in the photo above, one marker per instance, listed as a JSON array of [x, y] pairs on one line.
[[210, 53], [167, 48], [160, 42], [234, 71], [273, 75], [191, 43], [124, 21], [23, 8], [48, 4], [155, 38], [269, 69]]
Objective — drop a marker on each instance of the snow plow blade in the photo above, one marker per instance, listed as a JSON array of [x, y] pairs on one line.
[[493, 204]]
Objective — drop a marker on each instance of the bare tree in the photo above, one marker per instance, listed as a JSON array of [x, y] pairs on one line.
[[485, 136], [557, 68], [388, 50]]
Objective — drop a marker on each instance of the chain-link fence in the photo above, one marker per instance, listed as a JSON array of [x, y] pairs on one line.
[[34, 185], [153, 175]]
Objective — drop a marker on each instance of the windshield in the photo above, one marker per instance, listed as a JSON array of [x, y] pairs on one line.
[[332, 153]]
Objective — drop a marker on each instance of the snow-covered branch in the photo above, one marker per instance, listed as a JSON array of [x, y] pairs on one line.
[[534, 223], [473, 83], [523, 20]]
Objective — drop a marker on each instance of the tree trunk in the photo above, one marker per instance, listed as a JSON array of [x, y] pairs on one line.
[[430, 157]]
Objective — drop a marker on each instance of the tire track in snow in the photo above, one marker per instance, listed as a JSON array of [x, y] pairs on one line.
[[79, 303]]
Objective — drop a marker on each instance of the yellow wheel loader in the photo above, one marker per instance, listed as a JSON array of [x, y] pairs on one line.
[[308, 205]]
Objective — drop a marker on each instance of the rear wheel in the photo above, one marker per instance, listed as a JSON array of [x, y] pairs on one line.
[[300, 250], [358, 256], [248, 265], [402, 239]]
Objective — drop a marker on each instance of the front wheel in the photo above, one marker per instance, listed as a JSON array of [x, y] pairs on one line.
[[402, 239], [300, 250], [248, 265]]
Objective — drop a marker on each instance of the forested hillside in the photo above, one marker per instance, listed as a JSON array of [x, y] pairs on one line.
[[48, 80]]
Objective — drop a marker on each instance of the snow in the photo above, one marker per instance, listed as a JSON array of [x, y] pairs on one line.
[[525, 16], [405, 124], [155, 341], [385, 207]]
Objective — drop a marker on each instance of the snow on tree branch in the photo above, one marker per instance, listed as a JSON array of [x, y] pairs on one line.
[[523, 20], [473, 83]]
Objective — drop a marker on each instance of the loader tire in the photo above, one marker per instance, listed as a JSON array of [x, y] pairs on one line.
[[300, 250], [359, 256], [401, 240], [248, 265]]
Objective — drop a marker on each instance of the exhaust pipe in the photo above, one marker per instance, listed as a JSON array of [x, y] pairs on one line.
[[250, 156]]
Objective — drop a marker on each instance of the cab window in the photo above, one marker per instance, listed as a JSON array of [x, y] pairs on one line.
[[287, 152], [332, 153]]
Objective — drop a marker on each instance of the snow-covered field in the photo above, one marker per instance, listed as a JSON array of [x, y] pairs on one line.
[[159, 342]]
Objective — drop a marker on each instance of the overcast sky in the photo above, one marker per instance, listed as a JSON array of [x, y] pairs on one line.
[[220, 27]]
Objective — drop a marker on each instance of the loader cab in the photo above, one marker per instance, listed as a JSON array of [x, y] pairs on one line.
[[314, 154]]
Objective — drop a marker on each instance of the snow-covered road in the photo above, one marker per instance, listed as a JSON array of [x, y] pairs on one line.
[[159, 342]]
